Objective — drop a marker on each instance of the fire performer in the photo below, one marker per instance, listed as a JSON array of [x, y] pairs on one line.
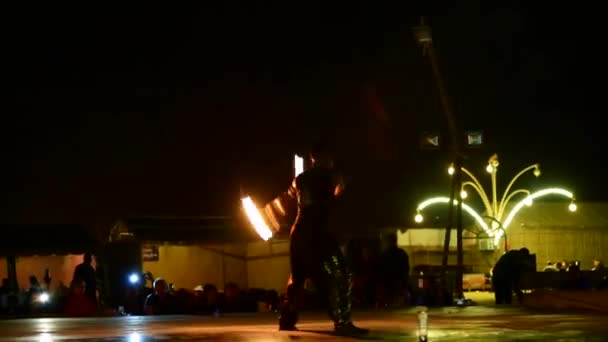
[[314, 252]]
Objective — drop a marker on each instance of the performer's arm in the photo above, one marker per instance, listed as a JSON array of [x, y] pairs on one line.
[[339, 184], [291, 191]]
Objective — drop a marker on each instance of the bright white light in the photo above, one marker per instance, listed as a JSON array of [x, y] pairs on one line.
[[134, 278], [489, 168], [451, 170], [254, 216], [572, 207], [528, 201], [134, 337], [418, 218], [520, 205], [298, 165], [44, 297], [465, 206], [463, 194]]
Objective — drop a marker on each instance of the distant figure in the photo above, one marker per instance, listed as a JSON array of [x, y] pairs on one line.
[[507, 274], [393, 271], [212, 298], [551, 267], [5, 288], [47, 279], [598, 265], [161, 302], [77, 303], [232, 298], [575, 280], [34, 291], [576, 264], [86, 272]]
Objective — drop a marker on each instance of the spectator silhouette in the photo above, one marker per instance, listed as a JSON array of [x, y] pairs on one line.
[[393, 271], [507, 274], [161, 302], [576, 280], [86, 272], [78, 303]]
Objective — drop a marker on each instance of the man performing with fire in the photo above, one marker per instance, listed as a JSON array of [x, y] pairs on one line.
[[314, 252]]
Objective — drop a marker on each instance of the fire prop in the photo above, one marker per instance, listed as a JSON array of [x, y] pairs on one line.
[[256, 219], [267, 222]]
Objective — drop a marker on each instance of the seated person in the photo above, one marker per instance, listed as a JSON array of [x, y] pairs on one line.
[[603, 284], [576, 281], [213, 300], [77, 303], [161, 302], [551, 267]]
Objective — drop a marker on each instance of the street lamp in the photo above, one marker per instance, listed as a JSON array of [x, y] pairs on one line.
[[497, 211]]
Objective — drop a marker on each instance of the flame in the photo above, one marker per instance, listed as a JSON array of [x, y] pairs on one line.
[[254, 216], [271, 217], [277, 204]]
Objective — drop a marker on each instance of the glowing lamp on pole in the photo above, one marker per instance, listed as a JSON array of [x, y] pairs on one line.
[[496, 209]]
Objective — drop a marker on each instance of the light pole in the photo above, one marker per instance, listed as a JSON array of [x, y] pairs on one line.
[[500, 213], [424, 38]]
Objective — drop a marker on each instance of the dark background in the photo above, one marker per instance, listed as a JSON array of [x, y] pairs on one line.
[[173, 109]]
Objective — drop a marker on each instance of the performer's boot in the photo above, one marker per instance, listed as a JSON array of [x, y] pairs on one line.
[[289, 313], [340, 285]]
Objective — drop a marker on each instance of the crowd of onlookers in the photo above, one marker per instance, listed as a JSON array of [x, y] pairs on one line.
[[380, 280], [510, 267], [161, 298], [564, 266]]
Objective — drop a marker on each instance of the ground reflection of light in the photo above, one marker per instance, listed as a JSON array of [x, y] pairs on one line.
[[45, 337], [45, 326], [135, 337]]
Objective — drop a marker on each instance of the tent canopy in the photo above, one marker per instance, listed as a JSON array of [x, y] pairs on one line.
[[181, 230]]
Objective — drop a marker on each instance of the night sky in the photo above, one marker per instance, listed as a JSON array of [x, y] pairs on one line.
[[173, 110]]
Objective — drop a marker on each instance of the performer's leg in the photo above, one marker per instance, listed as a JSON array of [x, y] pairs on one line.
[[289, 308], [339, 289], [339, 284]]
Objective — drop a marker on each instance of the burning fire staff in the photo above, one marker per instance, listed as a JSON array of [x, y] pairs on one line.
[[314, 253]]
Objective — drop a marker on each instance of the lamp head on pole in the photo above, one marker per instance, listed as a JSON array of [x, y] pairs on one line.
[[492, 163], [537, 170], [451, 169]]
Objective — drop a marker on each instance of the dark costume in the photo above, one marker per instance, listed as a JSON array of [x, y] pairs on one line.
[[315, 254]]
